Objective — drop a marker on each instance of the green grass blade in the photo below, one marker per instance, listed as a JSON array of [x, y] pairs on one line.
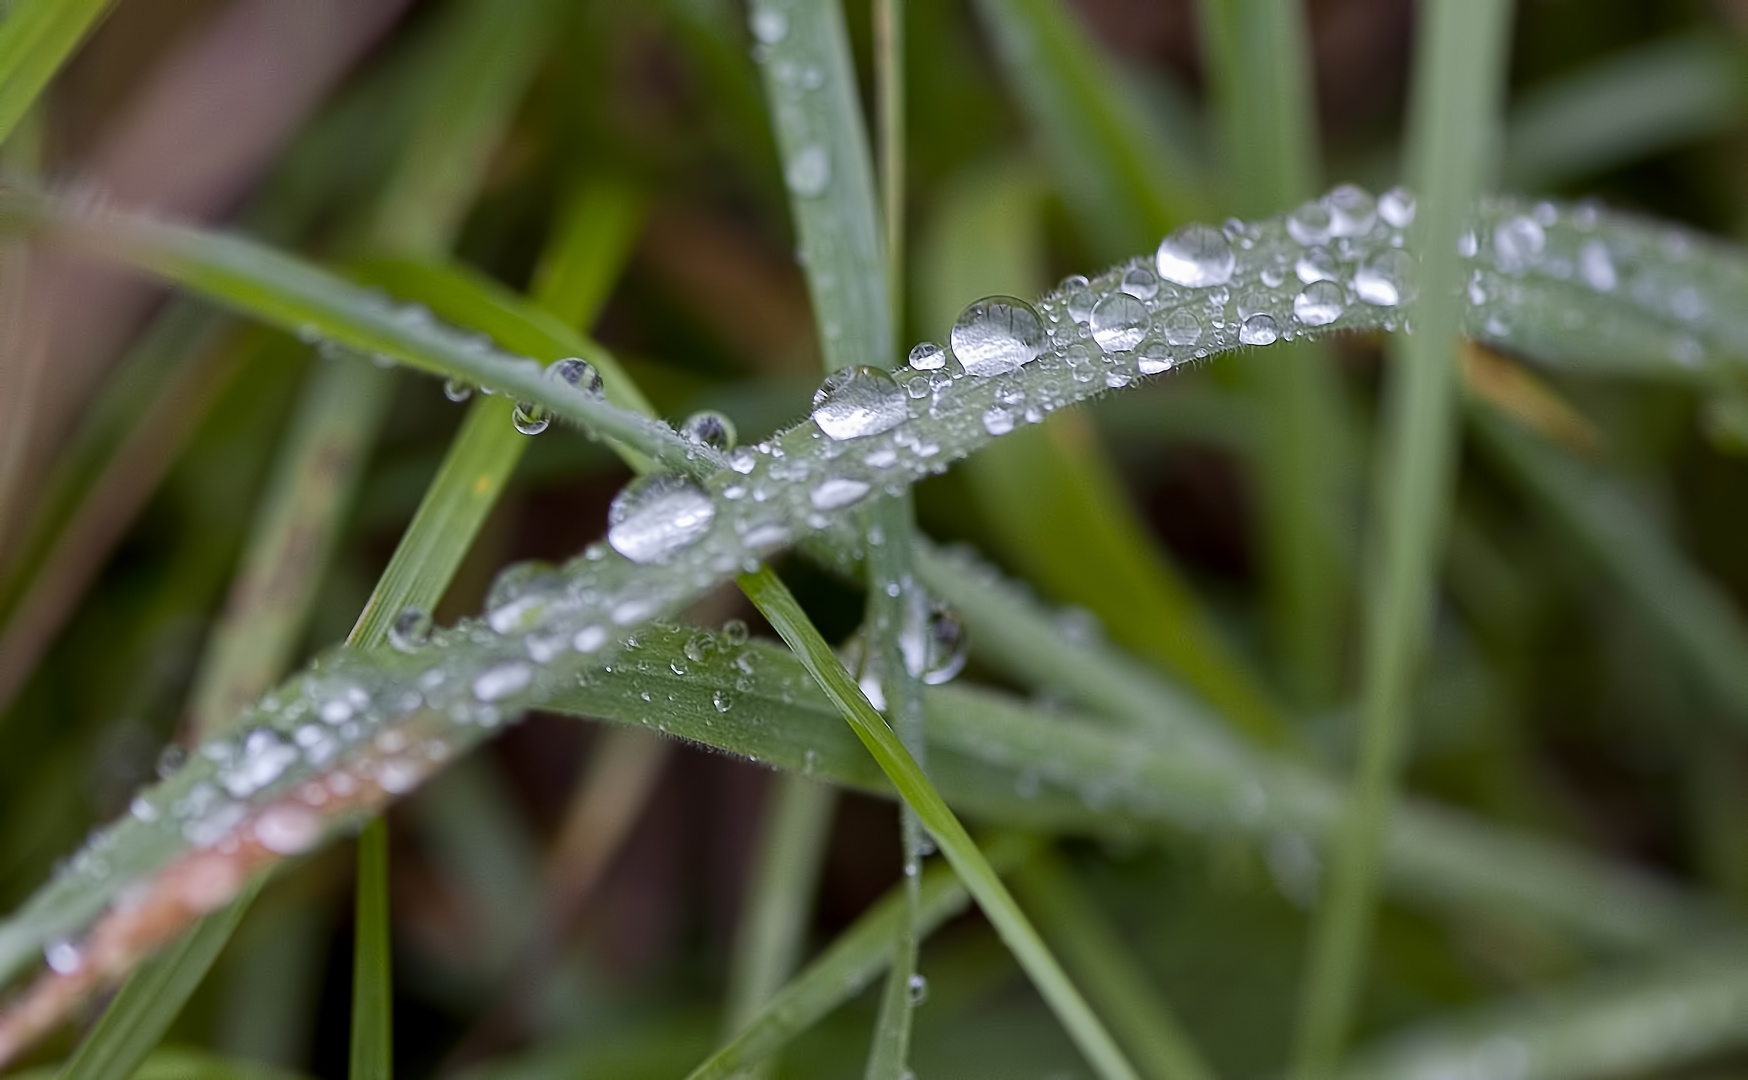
[[786, 616], [136, 1020], [1091, 947], [857, 956], [1124, 185], [1459, 74], [785, 875], [36, 37], [1259, 67], [372, 1052]]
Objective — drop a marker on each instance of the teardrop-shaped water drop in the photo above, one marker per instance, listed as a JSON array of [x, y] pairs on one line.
[[927, 356], [577, 372], [996, 335], [809, 171], [1352, 210], [1196, 255], [858, 401], [709, 428], [1119, 322], [1396, 207], [655, 516], [529, 418], [1320, 304], [1386, 279], [1259, 329], [457, 390], [411, 630]]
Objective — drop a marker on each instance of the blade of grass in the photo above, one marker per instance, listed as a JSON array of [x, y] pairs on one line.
[[858, 955], [36, 37], [1259, 64], [785, 615], [1460, 58], [1093, 949], [372, 1049]]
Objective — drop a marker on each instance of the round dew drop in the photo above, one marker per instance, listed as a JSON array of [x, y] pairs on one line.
[[997, 420], [1352, 211], [1396, 207], [858, 401], [1386, 279], [809, 172], [1154, 359], [1259, 329], [996, 335], [709, 428], [411, 630], [927, 356], [1596, 266], [1309, 224], [1120, 322], [1320, 304], [769, 25], [655, 516], [1197, 256], [1139, 282], [1518, 243], [529, 418], [577, 372], [1183, 328], [457, 390]]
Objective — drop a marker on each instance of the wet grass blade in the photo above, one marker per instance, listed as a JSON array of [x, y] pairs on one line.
[[36, 37], [1459, 75], [790, 622]]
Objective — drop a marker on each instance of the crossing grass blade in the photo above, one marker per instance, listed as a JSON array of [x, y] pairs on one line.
[[36, 37]]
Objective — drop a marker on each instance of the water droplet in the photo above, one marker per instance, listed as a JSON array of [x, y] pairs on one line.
[[933, 643], [1309, 224], [1386, 279], [1320, 304], [918, 990], [1196, 255], [265, 755], [997, 334], [577, 372], [858, 401], [836, 491], [1183, 328], [997, 420], [170, 761], [1154, 359], [1396, 207], [1316, 265], [1596, 266], [769, 25], [709, 428], [529, 418], [589, 639], [1518, 243], [411, 630], [63, 957], [809, 172], [1120, 322], [1259, 329], [501, 680], [927, 356], [288, 830], [655, 516], [457, 390], [1352, 210], [1080, 304], [722, 701], [1140, 282]]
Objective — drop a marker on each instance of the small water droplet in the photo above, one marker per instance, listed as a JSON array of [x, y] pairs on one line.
[[709, 428], [1396, 207], [1320, 304], [589, 639], [288, 830], [722, 701], [927, 356], [997, 420], [918, 990], [1596, 266], [1197, 256], [769, 25], [655, 516], [1120, 322], [1183, 328], [857, 402], [933, 643], [809, 172], [1316, 264], [63, 957], [457, 390], [734, 633], [1309, 224], [1352, 210], [529, 418], [1155, 358], [836, 491], [1386, 279], [1140, 282], [1259, 329], [1518, 243], [577, 372], [411, 630], [501, 680], [995, 335]]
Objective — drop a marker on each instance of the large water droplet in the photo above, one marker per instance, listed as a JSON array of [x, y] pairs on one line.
[[1259, 329], [858, 401], [1119, 322], [1352, 210], [809, 172], [1320, 304], [1518, 243], [655, 516], [1196, 255], [1386, 279], [709, 428], [411, 630], [927, 356], [836, 491], [997, 334]]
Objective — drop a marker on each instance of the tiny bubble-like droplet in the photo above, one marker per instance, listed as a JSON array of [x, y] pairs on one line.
[[918, 990], [1596, 266], [457, 390], [927, 356], [1518, 243], [709, 428], [858, 401], [1140, 282], [996, 335], [1259, 329], [655, 516], [1196, 255], [809, 172], [1309, 223], [1183, 328], [411, 630], [1120, 322], [769, 25], [1154, 359], [735, 633], [997, 420], [1320, 304]]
